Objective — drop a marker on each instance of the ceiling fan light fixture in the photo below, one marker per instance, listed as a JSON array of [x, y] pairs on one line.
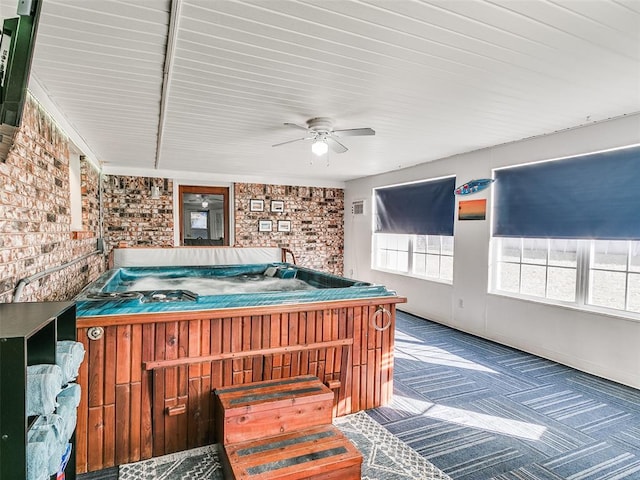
[[320, 131], [319, 147]]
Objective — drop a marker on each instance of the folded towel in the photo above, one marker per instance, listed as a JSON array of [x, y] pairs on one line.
[[37, 461], [69, 416], [68, 401], [44, 382], [69, 356], [49, 430], [70, 395]]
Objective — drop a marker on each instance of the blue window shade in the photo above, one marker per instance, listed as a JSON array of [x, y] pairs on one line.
[[591, 196], [425, 208]]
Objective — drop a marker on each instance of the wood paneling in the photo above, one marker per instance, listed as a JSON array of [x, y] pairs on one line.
[[148, 380]]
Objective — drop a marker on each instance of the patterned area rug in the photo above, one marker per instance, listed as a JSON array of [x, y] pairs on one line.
[[385, 458]]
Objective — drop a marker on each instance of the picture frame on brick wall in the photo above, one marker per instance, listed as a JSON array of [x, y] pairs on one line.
[[265, 226], [277, 206], [256, 205], [284, 225]]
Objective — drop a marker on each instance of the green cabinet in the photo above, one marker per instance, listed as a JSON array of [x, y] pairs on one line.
[[28, 335]]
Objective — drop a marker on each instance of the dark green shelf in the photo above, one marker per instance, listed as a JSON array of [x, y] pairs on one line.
[[28, 335]]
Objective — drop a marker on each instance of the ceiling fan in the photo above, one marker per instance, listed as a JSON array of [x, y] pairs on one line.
[[320, 130]]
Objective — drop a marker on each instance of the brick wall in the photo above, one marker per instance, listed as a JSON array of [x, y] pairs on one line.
[[131, 216], [35, 214], [316, 215]]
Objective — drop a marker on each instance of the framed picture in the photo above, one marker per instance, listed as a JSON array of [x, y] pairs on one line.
[[256, 205], [284, 225], [265, 226], [277, 206], [472, 209]]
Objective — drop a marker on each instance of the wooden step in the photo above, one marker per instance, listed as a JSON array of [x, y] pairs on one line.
[[318, 453], [262, 409]]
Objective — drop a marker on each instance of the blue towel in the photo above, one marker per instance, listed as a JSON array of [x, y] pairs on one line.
[[49, 430], [37, 461], [65, 457], [69, 356], [44, 382]]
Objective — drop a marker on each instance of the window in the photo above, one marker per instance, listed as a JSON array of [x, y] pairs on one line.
[[199, 220], [590, 274], [433, 257], [392, 252], [538, 267], [75, 186], [414, 229], [422, 256], [566, 231], [614, 275]]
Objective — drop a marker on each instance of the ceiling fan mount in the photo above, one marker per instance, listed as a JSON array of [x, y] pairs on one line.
[[320, 125], [320, 129]]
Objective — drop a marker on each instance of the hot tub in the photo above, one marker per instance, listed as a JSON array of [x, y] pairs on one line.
[[131, 290], [160, 339]]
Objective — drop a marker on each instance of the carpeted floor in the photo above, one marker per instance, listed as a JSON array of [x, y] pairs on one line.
[[479, 410], [384, 458]]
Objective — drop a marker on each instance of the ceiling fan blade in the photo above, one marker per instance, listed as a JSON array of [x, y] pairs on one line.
[[352, 132], [295, 125], [291, 141], [335, 145]]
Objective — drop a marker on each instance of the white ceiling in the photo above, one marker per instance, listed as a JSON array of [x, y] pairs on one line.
[[432, 78]]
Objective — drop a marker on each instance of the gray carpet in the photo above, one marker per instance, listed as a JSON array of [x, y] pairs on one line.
[[479, 410], [385, 457]]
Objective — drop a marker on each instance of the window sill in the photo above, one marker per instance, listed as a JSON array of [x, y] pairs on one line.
[[617, 314], [409, 275]]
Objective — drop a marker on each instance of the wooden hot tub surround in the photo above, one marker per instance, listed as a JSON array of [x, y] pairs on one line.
[[147, 380]]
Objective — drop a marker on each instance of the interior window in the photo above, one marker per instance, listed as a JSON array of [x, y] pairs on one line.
[[204, 213]]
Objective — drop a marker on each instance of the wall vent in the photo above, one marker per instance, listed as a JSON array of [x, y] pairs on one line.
[[357, 207]]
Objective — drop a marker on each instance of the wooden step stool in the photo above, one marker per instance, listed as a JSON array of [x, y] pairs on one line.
[[273, 407], [318, 453]]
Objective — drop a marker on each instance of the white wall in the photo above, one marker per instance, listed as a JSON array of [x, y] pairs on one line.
[[604, 345]]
